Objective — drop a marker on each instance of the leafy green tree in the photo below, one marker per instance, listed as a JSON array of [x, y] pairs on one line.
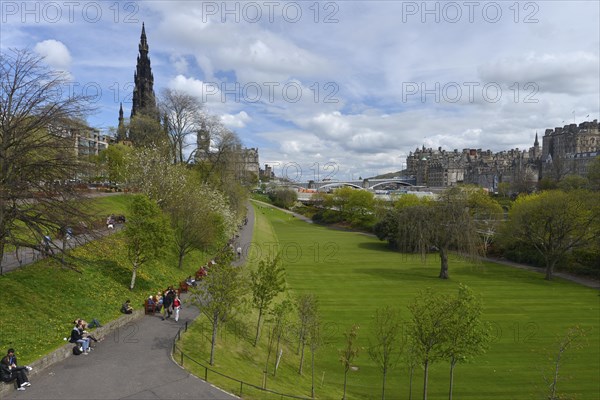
[[468, 335], [266, 282], [349, 352], [387, 346], [554, 223], [573, 182], [218, 295], [200, 219], [114, 159], [443, 224], [487, 215], [431, 317], [146, 233], [306, 305], [355, 205], [150, 170], [411, 358], [280, 318], [593, 173], [200, 215], [284, 198], [146, 131], [37, 142], [315, 340]]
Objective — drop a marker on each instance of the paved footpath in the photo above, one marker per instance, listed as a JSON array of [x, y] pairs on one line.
[[133, 362]]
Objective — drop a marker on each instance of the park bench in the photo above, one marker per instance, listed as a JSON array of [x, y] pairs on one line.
[[183, 287], [201, 273], [149, 308]]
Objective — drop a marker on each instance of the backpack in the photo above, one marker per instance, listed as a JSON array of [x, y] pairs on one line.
[[77, 350]]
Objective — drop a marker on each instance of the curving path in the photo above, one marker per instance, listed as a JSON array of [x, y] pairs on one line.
[[133, 362]]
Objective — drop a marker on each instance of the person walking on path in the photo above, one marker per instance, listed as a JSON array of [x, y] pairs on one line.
[[176, 307]]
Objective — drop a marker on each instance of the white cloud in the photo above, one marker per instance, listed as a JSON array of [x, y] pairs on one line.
[[234, 121], [55, 54], [367, 57]]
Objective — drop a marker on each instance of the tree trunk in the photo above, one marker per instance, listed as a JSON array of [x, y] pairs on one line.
[[133, 275], [260, 311], [549, 269], [269, 349], [345, 380], [312, 373], [452, 364], [555, 378], [181, 255], [301, 358], [410, 378], [279, 333], [425, 379], [213, 342], [383, 385], [1, 256], [444, 263], [64, 248]]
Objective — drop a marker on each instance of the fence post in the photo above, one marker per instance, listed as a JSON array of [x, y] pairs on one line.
[[241, 387], [206, 374], [182, 358], [186, 323]]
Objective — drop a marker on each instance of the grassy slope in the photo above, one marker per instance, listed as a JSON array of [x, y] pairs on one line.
[[41, 300], [353, 274]]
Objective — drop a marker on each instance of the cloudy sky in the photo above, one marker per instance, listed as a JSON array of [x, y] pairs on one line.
[[336, 89]]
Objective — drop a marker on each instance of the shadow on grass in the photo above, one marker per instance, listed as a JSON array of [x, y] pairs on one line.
[[377, 246], [413, 274]]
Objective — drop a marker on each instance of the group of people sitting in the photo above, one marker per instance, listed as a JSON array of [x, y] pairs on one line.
[[167, 303], [10, 371], [82, 338]]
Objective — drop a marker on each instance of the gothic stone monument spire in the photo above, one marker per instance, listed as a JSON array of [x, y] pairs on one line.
[[144, 101]]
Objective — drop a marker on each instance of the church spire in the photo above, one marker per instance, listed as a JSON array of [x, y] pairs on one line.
[[536, 143], [121, 131], [144, 100]]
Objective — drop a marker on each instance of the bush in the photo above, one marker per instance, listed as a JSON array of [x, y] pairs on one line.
[[284, 198]]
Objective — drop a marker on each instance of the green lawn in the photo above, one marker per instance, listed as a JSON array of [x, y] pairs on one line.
[[353, 274]]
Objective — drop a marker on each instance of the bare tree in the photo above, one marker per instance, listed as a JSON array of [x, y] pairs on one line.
[[349, 353], [37, 151], [218, 295], [574, 338], [306, 305], [183, 118], [388, 344], [219, 150]]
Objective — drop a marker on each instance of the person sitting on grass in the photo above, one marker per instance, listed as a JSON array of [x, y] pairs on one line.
[[126, 307], [9, 373]]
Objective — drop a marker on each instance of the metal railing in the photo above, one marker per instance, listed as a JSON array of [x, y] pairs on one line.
[[207, 369]]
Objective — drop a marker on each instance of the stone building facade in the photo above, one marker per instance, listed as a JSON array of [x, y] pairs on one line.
[[572, 148]]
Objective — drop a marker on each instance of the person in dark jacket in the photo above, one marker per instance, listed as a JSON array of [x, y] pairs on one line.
[[168, 302], [10, 374], [77, 337]]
